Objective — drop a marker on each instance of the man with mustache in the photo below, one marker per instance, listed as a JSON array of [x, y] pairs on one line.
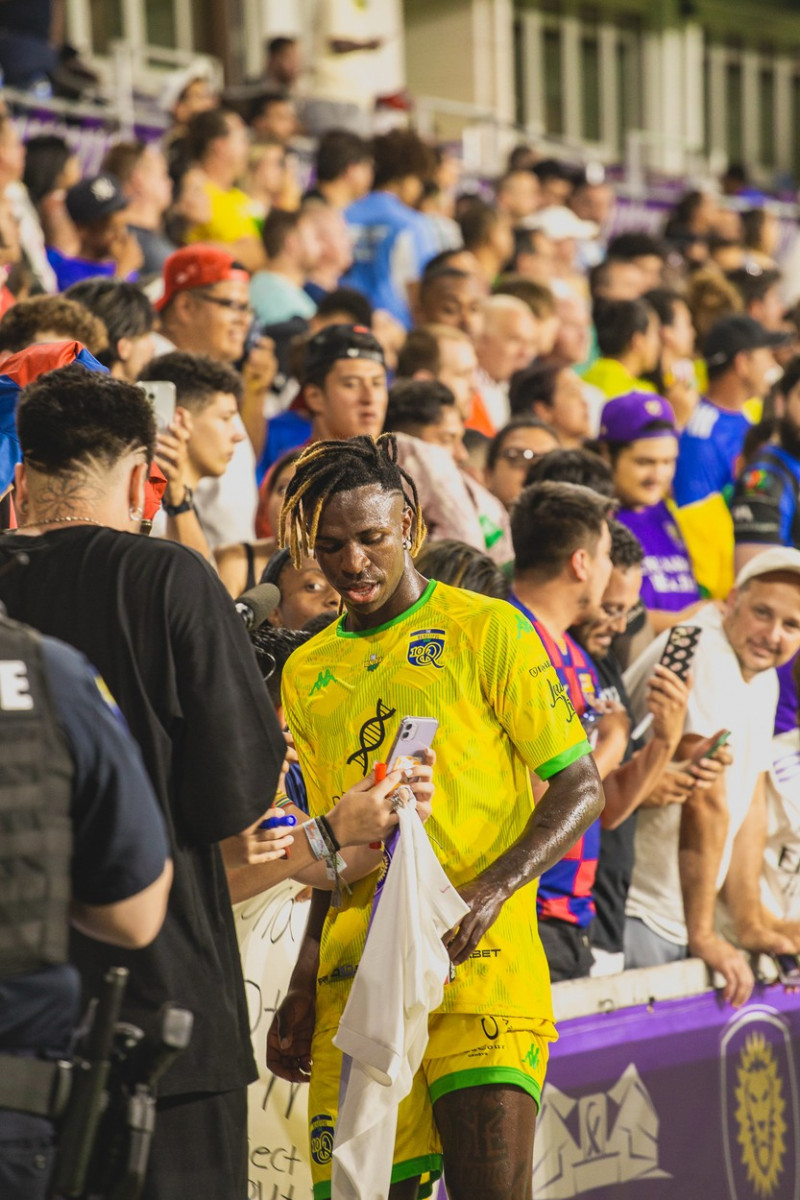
[[683, 855]]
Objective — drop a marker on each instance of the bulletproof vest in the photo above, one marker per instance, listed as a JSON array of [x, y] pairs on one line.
[[36, 775]]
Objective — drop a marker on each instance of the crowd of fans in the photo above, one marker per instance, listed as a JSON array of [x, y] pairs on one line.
[[603, 432]]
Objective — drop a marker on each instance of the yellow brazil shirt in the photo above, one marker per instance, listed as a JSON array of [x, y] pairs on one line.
[[613, 379], [231, 217], [478, 667]]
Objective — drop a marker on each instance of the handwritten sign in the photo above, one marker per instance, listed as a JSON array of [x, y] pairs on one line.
[[270, 929]]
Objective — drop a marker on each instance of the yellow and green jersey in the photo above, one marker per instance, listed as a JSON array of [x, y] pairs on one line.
[[478, 667]]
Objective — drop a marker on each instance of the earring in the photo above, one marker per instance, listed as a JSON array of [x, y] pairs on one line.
[[406, 544], [135, 514]]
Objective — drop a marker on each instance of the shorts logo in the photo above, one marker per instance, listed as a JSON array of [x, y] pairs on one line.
[[426, 647], [322, 1139], [371, 736], [532, 1057]]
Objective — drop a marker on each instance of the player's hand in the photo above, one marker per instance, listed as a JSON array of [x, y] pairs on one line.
[[289, 1037], [667, 700], [365, 813], [719, 955], [485, 900]]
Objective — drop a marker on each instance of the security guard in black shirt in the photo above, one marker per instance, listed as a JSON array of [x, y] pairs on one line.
[[82, 841]]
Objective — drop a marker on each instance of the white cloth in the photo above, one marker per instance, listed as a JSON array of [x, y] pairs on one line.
[[720, 699], [780, 876], [384, 1027], [359, 76]]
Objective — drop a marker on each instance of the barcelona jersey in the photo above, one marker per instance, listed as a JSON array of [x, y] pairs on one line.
[[565, 891], [477, 666]]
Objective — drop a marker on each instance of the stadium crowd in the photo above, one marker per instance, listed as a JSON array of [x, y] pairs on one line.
[[601, 436]]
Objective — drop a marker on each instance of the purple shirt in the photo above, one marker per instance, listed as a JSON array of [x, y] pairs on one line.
[[786, 715], [668, 581]]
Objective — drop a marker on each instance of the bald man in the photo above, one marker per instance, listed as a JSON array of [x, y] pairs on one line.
[[507, 344]]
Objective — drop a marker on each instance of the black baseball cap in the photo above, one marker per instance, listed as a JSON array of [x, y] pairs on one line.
[[95, 198], [734, 335], [337, 342]]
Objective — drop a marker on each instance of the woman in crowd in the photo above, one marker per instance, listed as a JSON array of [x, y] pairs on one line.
[[550, 390], [639, 438], [511, 452]]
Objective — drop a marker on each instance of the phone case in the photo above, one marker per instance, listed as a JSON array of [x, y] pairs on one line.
[[680, 649], [414, 735]]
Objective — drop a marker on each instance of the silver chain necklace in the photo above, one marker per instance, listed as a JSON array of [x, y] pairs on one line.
[[58, 521]]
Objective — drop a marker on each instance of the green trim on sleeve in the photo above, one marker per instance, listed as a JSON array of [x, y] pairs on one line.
[[479, 1076], [564, 759]]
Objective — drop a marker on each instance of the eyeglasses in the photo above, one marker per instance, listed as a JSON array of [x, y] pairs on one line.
[[232, 306], [519, 455]]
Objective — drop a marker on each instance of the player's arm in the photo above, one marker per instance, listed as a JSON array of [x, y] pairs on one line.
[[573, 800]]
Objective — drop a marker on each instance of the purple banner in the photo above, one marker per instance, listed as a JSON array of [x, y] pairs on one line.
[[680, 1100]]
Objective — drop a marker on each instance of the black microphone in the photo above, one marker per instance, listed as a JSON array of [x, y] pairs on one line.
[[256, 605]]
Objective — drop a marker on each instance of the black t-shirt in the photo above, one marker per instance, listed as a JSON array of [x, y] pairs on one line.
[[27, 16], [615, 864], [161, 630], [119, 843]]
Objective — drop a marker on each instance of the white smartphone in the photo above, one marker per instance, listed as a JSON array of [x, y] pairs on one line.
[[414, 736], [163, 397]]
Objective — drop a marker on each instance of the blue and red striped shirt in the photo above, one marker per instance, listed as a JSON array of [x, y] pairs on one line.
[[565, 891]]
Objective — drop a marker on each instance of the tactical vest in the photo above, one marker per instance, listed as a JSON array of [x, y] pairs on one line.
[[36, 777]]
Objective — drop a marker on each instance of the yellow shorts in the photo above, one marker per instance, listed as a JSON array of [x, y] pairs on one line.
[[462, 1052]]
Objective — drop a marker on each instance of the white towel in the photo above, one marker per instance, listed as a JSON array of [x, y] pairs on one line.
[[384, 1027]]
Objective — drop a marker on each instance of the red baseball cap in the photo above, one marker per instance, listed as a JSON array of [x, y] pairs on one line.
[[196, 267]]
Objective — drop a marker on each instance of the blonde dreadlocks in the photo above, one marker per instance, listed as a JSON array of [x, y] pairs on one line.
[[326, 468]]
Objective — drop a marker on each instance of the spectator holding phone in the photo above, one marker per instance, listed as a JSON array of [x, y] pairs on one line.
[[683, 854]]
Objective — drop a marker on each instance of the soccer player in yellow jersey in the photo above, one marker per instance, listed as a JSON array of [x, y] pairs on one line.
[[409, 646]]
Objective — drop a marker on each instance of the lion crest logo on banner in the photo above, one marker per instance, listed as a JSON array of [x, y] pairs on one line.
[[760, 1106]]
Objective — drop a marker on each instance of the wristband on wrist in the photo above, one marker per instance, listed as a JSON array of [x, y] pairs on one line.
[[281, 800], [328, 834], [186, 504]]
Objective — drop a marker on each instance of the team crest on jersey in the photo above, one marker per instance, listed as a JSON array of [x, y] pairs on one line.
[[426, 647], [321, 1138], [373, 661]]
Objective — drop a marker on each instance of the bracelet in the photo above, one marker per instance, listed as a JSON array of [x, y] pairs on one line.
[[334, 863], [328, 834], [315, 839], [281, 800], [186, 504]]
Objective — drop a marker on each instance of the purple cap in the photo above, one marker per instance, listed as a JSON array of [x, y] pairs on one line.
[[630, 417]]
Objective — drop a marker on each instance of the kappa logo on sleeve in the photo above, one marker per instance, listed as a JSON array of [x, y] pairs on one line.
[[426, 647]]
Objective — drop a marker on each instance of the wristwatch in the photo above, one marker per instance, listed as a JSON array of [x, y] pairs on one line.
[[186, 504]]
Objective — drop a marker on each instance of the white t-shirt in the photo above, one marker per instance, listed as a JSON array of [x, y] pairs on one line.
[[720, 699], [360, 75], [780, 876], [495, 398]]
